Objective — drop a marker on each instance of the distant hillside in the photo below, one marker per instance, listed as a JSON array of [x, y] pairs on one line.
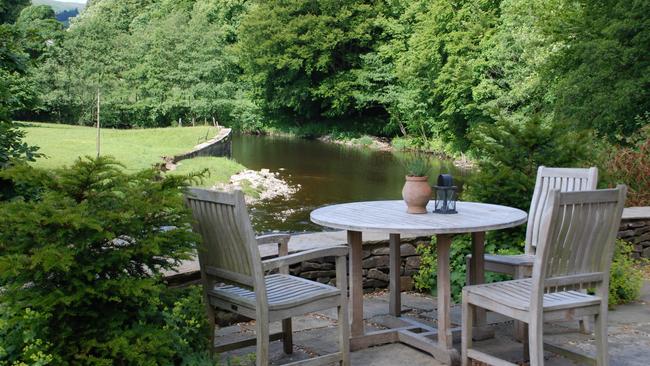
[[59, 6]]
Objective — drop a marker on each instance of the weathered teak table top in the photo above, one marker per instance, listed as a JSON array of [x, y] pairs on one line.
[[390, 217]]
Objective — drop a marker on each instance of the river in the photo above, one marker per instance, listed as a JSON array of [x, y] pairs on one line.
[[326, 173]]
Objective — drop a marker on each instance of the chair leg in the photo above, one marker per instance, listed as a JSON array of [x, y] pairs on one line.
[[585, 325], [344, 335], [520, 328], [262, 335], [525, 342], [536, 342], [212, 319], [344, 323], [466, 330], [468, 271], [600, 330], [287, 336]]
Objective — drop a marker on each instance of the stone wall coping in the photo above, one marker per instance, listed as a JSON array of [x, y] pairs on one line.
[[222, 135], [301, 242], [636, 213], [298, 242]]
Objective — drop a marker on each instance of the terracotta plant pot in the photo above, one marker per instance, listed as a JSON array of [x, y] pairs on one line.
[[416, 194]]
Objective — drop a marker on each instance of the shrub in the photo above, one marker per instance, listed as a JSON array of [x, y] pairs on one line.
[[626, 279], [625, 284], [508, 155], [81, 265], [426, 277], [631, 165]]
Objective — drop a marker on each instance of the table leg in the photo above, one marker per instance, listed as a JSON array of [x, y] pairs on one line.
[[443, 244], [477, 277], [395, 260], [356, 282]]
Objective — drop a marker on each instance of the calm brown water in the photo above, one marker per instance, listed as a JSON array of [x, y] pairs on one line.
[[327, 174]]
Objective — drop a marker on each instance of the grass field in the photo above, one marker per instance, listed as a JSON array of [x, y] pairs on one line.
[[137, 149]]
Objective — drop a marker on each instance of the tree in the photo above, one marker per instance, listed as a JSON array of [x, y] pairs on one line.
[[600, 77], [81, 263], [441, 67], [305, 58], [9, 9], [39, 30], [12, 64]]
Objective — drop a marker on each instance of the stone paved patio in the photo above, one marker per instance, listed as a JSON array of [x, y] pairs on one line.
[[315, 334]]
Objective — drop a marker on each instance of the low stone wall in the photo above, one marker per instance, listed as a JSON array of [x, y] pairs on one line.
[[220, 145], [635, 228], [637, 232], [375, 260], [375, 265]]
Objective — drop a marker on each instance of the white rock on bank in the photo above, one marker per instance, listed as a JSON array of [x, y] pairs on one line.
[[267, 183]]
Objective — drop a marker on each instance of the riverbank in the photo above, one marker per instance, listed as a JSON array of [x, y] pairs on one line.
[[136, 149], [365, 141]]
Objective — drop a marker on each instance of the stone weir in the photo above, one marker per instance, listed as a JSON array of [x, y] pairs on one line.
[[220, 146]]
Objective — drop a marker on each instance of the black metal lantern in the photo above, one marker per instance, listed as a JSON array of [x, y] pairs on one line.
[[445, 195]]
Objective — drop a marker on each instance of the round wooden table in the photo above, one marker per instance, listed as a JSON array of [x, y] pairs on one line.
[[390, 217]]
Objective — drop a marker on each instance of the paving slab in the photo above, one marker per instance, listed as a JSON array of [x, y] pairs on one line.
[[316, 334]]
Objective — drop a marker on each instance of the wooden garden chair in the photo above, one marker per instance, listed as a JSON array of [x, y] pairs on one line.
[[235, 278], [576, 241], [520, 266]]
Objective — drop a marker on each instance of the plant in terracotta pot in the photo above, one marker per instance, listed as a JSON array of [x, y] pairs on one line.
[[417, 191]]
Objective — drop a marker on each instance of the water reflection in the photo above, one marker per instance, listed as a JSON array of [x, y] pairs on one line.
[[327, 173]]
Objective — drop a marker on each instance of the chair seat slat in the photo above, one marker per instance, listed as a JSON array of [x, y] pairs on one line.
[[517, 294], [282, 290]]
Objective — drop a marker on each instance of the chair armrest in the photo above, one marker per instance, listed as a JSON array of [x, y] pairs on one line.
[[335, 251], [273, 239]]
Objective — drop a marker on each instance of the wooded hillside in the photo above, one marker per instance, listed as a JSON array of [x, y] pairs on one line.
[[433, 70]]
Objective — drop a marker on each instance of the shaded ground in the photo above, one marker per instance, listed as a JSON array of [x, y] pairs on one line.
[[315, 334]]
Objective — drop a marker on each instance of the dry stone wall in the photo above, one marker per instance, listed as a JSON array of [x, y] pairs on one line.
[[637, 232], [375, 265]]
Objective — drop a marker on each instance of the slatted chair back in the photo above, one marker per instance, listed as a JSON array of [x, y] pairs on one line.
[[229, 251], [578, 234], [564, 179]]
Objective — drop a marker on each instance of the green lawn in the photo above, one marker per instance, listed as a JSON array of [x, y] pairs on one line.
[[219, 169], [136, 149]]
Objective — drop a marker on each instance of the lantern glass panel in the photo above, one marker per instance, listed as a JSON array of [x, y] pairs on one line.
[[445, 200]]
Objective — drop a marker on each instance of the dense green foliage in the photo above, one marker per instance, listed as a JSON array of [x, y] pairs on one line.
[[12, 69], [151, 62], [510, 154], [81, 254], [430, 70], [626, 279], [632, 165], [9, 9]]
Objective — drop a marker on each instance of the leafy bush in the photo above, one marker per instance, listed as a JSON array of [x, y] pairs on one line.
[[626, 278], [426, 278], [625, 284], [631, 165], [508, 155], [80, 267]]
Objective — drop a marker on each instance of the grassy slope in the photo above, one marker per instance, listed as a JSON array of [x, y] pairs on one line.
[[219, 169], [137, 149]]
